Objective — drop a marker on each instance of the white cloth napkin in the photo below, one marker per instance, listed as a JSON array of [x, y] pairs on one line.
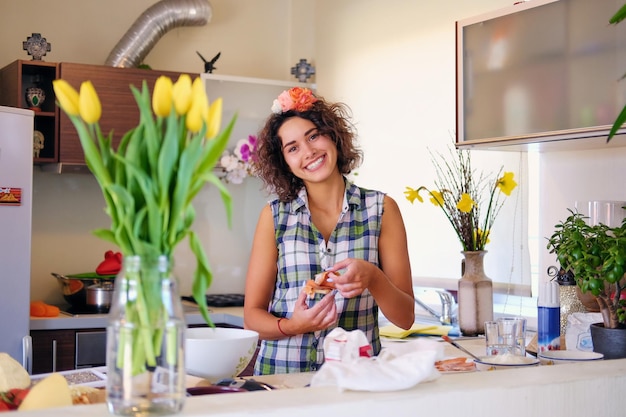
[[399, 366]]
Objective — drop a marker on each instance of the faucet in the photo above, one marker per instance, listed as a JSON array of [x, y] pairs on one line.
[[446, 307]]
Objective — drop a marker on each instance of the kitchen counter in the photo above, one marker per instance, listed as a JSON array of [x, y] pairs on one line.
[[222, 315], [583, 389]]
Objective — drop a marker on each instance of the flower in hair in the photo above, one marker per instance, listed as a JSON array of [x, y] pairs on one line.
[[296, 98]]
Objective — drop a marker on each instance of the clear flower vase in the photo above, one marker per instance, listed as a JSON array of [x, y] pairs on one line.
[[145, 340], [475, 297]]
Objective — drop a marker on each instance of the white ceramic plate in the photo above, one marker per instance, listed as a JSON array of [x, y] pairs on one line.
[[492, 363], [555, 357]]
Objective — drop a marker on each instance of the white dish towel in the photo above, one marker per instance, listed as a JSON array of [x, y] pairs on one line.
[[398, 366]]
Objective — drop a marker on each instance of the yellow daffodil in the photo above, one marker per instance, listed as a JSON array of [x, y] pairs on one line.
[[466, 203], [460, 184], [214, 118], [181, 92], [479, 235], [67, 97], [412, 194], [506, 184], [162, 96], [436, 198], [89, 105]]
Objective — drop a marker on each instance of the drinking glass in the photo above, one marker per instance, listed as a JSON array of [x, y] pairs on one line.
[[519, 335], [499, 339]]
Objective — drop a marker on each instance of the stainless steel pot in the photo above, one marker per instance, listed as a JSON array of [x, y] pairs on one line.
[[99, 295], [90, 294]]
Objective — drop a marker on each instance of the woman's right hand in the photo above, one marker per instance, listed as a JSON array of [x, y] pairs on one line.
[[305, 319]]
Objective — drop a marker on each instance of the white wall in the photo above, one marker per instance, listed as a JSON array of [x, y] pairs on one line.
[[255, 38], [570, 176], [393, 63]]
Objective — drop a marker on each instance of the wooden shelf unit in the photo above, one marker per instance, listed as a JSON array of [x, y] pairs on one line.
[[15, 78]]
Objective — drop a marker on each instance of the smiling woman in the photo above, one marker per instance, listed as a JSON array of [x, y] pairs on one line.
[[320, 222]]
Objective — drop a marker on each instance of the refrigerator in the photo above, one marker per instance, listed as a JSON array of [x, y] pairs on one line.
[[16, 179]]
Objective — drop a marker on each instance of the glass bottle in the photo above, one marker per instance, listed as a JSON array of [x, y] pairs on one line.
[[145, 340]]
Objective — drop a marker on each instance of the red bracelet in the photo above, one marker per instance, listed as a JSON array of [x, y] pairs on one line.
[[279, 329]]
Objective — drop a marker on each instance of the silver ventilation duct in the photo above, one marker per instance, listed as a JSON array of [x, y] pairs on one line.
[[157, 20]]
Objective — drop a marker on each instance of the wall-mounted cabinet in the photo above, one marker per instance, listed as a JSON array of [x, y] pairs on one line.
[[15, 81], [539, 74], [119, 109]]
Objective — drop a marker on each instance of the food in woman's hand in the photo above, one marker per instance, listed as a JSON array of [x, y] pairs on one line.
[[322, 284]]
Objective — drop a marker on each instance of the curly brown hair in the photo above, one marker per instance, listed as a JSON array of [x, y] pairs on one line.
[[332, 119]]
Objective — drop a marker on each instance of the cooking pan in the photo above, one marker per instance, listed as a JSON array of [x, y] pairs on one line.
[[89, 292]]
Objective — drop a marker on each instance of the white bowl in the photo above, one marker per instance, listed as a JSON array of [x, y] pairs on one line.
[[492, 363], [218, 353], [556, 357]]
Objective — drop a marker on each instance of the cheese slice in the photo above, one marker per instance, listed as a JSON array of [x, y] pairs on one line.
[[52, 391], [12, 374]]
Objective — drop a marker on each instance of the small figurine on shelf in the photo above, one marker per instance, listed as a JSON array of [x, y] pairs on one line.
[[36, 46], [35, 96], [38, 143], [303, 71], [209, 66]]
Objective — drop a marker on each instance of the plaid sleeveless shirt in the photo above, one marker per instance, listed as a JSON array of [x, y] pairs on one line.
[[302, 253]]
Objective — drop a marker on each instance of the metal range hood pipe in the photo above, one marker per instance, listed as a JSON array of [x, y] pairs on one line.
[[139, 40], [157, 20]]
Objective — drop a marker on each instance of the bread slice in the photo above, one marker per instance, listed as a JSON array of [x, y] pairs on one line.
[[321, 284]]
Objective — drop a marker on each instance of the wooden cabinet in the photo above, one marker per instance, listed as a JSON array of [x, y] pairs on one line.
[[15, 79], [53, 350], [119, 108], [67, 349], [61, 142]]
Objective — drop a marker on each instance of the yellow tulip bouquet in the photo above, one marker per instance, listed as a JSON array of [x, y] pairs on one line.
[[151, 179], [460, 192]]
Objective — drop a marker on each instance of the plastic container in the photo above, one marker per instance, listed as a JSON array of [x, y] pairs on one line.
[[549, 318]]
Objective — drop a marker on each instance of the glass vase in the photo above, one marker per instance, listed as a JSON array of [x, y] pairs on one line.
[[145, 340], [475, 297]]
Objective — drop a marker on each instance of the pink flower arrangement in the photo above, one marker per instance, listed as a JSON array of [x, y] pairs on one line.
[[296, 98], [236, 166]]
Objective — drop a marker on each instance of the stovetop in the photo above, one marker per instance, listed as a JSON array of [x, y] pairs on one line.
[[83, 311], [189, 305]]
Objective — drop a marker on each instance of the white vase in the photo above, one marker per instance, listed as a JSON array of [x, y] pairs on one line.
[[475, 296]]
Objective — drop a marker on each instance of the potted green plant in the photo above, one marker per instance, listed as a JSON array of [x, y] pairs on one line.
[[596, 256]]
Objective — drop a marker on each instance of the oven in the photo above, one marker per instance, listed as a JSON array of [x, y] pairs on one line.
[[90, 349]]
